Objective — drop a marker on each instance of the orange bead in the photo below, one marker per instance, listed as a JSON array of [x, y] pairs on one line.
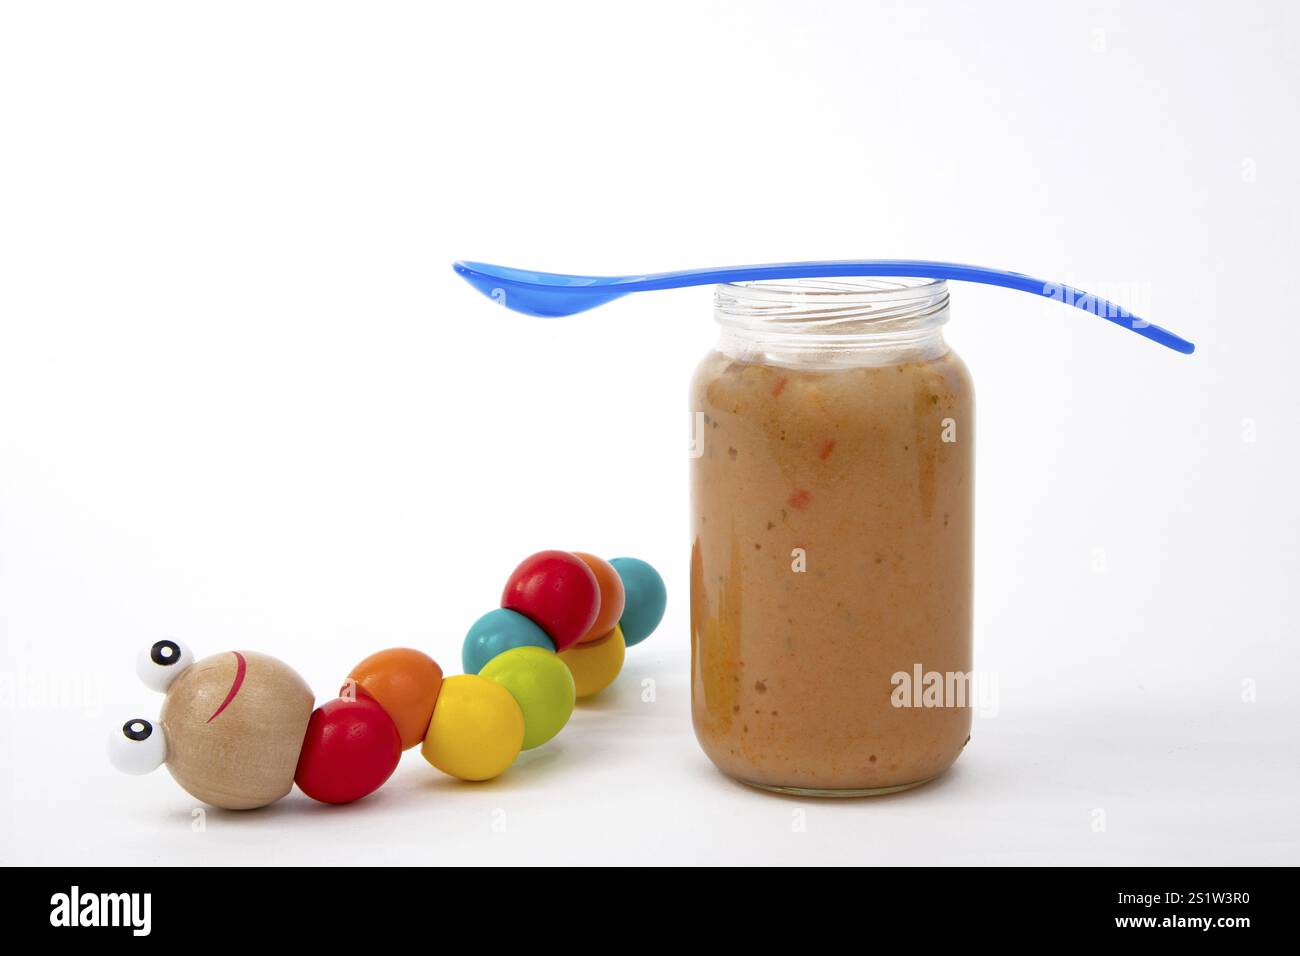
[[611, 597], [403, 681]]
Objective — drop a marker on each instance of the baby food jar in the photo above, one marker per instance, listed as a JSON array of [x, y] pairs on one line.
[[832, 497]]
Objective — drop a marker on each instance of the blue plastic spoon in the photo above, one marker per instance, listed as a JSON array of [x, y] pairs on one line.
[[551, 294]]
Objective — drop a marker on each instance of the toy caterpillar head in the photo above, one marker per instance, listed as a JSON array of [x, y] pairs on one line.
[[237, 729], [231, 727]]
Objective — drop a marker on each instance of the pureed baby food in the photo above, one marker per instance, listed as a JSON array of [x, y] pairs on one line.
[[832, 476], [831, 558]]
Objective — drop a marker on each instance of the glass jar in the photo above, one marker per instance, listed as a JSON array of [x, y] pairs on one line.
[[832, 498]]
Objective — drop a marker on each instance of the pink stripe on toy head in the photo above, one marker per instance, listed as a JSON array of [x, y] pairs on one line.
[[241, 668]]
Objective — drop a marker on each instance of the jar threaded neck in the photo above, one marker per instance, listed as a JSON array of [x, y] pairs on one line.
[[834, 317]]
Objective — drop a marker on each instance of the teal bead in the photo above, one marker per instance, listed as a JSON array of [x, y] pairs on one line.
[[646, 599], [496, 632]]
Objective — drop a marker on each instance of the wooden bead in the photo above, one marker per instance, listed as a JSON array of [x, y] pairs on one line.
[[496, 632], [542, 687], [405, 682], [594, 665], [234, 725], [611, 597], [477, 729], [557, 592], [351, 748], [646, 599]]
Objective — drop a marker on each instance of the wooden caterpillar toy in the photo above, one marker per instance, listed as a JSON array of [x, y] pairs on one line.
[[237, 729]]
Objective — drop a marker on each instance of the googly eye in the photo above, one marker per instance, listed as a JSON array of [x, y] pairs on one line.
[[162, 662], [138, 746]]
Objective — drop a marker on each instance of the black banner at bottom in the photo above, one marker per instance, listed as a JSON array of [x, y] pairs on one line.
[[923, 904]]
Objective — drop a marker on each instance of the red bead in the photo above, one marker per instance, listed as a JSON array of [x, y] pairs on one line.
[[351, 748], [558, 592]]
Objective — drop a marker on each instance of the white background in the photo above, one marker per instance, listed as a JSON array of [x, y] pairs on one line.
[[245, 401]]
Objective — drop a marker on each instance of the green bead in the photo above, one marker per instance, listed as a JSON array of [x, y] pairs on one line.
[[542, 686]]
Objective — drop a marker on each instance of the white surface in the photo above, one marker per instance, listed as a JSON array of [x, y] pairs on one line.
[[244, 401]]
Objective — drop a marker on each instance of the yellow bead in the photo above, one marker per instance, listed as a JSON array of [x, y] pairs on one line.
[[477, 729], [595, 665]]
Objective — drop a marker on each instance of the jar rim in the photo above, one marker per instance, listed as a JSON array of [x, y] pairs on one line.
[[846, 305]]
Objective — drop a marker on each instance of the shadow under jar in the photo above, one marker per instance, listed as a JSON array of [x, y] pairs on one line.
[[832, 497]]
